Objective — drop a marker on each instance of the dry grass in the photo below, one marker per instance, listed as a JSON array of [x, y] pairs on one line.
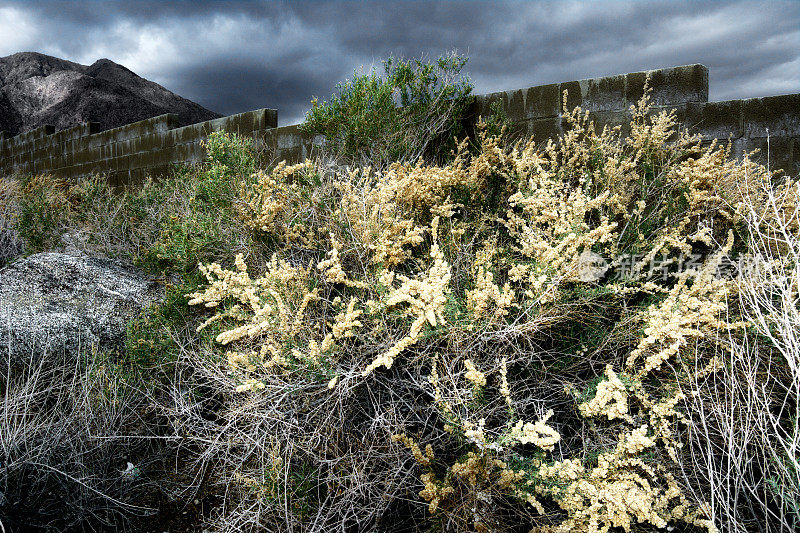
[[69, 427]]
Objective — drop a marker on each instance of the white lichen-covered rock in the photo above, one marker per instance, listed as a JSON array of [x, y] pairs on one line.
[[60, 303]]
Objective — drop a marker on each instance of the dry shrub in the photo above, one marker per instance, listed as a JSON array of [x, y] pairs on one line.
[[744, 448], [451, 331], [519, 336]]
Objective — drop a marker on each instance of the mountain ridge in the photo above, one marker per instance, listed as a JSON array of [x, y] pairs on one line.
[[37, 89]]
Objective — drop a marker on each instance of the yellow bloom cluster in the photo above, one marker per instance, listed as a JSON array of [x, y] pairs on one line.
[[611, 399], [423, 459], [538, 433], [690, 312], [620, 491], [332, 267], [473, 375], [486, 293], [278, 204], [423, 299], [434, 493], [267, 297], [274, 309], [346, 322], [419, 187]]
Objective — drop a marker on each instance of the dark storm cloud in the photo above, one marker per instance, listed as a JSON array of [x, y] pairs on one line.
[[235, 56], [248, 88]]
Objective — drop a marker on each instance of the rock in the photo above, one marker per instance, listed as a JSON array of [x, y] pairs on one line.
[[52, 302]]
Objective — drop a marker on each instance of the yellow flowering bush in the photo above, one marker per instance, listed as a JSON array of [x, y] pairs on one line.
[[480, 307]]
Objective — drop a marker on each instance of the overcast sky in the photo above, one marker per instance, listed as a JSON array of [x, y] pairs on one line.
[[237, 56]]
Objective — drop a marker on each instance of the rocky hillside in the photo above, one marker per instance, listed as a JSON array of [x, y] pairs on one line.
[[36, 89]]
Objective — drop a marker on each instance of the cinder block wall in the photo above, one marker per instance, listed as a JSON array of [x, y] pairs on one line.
[[539, 111], [127, 154]]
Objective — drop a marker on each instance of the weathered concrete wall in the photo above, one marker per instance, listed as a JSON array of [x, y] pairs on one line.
[[289, 144], [127, 153], [151, 146], [539, 111]]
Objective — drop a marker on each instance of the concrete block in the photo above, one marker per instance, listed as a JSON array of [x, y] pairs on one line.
[[522, 104], [780, 153], [122, 163], [518, 130], [288, 140], [168, 139], [21, 142], [126, 147], [514, 103], [147, 142], [94, 154], [542, 101], [245, 123], [188, 152], [43, 139], [574, 96], [290, 155], [604, 94], [37, 154], [204, 129], [161, 157], [220, 124], [59, 161], [481, 103], [671, 86], [713, 120], [103, 165], [119, 181], [286, 137], [192, 133], [159, 124], [80, 157], [779, 114], [270, 119], [545, 128], [141, 160], [104, 137]]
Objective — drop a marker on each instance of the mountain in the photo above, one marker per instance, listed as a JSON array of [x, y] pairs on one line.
[[36, 89]]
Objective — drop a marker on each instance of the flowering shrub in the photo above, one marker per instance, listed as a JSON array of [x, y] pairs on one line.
[[453, 305], [570, 338]]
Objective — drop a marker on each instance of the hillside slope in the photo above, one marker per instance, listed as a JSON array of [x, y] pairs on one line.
[[36, 89]]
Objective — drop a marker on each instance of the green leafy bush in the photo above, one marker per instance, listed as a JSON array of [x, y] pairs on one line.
[[43, 208], [413, 110]]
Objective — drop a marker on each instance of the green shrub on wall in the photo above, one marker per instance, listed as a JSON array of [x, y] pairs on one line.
[[411, 111]]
